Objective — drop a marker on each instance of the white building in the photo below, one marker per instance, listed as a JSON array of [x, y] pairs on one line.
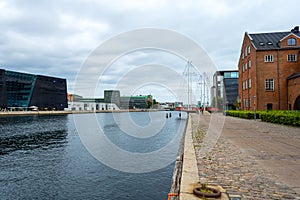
[[91, 106]]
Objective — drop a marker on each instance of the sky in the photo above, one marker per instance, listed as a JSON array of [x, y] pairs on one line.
[[59, 37]]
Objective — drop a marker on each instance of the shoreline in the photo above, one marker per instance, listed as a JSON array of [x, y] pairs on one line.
[[66, 112]]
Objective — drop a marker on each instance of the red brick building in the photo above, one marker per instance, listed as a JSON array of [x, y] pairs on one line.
[[269, 71]]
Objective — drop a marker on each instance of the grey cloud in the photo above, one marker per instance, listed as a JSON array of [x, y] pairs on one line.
[[55, 37]]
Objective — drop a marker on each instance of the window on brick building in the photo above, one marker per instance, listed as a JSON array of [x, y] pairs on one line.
[[269, 58], [291, 58], [249, 63], [248, 49], [291, 42], [249, 82], [269, 84], [243, 55]]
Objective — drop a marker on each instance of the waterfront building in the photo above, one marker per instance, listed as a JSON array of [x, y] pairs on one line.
[[269, 71], [112, 96], [22, 91], [91, 106], [111, 101], [139, 102], [74, 97], [225, 89], [78, 103]]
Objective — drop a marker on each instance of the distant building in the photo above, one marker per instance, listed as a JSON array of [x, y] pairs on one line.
[[225, 89], [78, 103], [74, 97], [139, 102], [90, 105], [269, 70], [22, 90], [112, 96], [111, 101]]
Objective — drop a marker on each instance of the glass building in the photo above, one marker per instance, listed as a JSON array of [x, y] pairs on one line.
[[225, 89], [131, 102], [21, 90], [112, 96]]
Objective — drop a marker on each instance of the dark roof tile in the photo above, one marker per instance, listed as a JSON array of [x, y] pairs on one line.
[[268, 41]]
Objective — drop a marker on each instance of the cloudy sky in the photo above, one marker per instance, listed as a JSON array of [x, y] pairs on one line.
[[56, 37]]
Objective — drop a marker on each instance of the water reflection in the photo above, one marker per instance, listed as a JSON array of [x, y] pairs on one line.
[[32, 132], [32, 141], [44, 158]]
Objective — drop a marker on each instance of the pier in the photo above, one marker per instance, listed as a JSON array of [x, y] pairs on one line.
[[251, 159]]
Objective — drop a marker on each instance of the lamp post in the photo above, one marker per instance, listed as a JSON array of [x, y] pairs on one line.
[[254, 108]]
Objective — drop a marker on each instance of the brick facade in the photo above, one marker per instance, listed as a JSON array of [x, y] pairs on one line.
[[294, 93], [265, 63]]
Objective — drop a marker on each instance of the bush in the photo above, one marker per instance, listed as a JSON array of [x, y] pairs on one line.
[[246, 114], [279, 117], [282, 117]]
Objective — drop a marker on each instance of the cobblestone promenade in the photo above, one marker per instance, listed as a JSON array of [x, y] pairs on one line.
[[253, 159]]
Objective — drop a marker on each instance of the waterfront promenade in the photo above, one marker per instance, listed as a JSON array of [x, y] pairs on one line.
[[65, 112], [251, 159]]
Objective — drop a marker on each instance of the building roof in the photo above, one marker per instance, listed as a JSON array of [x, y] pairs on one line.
[[295, 75], [269, 41]]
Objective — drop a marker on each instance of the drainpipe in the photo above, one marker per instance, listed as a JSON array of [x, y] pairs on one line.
[[256, 82], [278, 78]]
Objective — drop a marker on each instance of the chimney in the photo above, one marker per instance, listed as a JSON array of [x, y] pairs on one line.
[[295, 30]]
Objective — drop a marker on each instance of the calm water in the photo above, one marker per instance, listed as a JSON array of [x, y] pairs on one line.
[[42, 157]]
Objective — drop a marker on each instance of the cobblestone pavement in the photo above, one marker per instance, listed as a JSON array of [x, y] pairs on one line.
[[253, 159]]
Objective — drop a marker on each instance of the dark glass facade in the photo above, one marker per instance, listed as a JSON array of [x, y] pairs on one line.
[[225, 89], [112, 96], [24, 90], [3, 95], [139, 102], [230, 91]]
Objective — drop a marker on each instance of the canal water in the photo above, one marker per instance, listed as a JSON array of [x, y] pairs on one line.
[[43, 157]]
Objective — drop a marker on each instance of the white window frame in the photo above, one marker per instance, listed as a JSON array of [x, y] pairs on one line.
[[249, 82], [269, 84], [269, 58], [291, 42], [249, 63], [291, 57], [248, 49]]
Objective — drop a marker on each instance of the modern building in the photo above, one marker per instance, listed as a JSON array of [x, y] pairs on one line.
[[269, 70], [91, 106], [22, 91], [78, 103], [138, 102], [225, 89], [112, 96], [74, 97], [111, 101]]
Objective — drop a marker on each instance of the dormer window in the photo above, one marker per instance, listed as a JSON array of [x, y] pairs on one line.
[[291, 42]]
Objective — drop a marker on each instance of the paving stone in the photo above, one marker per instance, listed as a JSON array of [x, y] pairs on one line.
[[235, 169]]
